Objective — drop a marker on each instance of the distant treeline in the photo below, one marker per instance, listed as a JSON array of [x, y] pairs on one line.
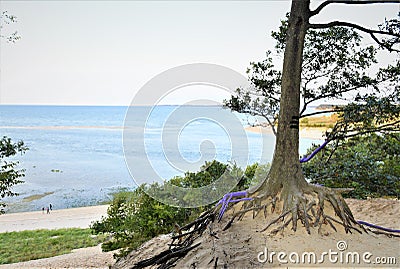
[[328, 107]]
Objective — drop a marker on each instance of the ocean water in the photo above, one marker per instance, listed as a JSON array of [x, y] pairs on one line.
[[76, 153]]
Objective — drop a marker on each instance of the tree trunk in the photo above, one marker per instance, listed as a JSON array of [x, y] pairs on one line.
[[285, 182], [286, 171]]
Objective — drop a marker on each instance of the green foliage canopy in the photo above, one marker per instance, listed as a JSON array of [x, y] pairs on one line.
[[336, 65]]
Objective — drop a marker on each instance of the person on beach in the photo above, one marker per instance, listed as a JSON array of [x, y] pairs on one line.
[[48, 210], [42, 210], [51, 207]]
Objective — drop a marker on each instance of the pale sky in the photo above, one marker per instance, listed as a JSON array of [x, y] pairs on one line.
[[101, 53]]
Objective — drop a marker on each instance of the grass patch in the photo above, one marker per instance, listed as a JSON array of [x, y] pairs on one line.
[[37, 244], [36, 197]]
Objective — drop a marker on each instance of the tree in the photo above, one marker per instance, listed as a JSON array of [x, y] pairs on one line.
[[284, 191], [341, 67], [9, 174]]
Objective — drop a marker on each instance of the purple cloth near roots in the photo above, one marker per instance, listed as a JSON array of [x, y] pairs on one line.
[[378, 227], [228, 199], [309, 157]]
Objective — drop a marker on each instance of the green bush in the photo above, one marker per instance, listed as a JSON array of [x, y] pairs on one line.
[[370, 164], [134, 217]]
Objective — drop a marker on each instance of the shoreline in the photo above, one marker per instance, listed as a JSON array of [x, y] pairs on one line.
[[304, 132]]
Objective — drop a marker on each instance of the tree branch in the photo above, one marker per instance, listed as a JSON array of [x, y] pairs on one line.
[[389, 127], [272, 126], [352, 25], [257, 113], [367, 132], [308, 79], [383, 44], [304, 98], [351, 2], [263, 93], [323, 96], [320, 112]]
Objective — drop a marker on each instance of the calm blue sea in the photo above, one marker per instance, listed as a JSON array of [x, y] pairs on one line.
[[77, 154]]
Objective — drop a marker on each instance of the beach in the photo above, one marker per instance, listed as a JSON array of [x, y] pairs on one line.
[[305, 132], [80, 217]]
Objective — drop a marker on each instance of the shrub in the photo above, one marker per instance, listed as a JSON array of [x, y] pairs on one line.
[[370, 164], [134, 217]]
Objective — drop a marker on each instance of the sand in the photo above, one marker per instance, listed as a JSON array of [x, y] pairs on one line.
[[243, 246], [238, 247], [64, 218], [305, 132]]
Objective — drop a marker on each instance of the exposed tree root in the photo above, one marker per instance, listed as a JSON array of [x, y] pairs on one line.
[[182, 242], [314, 207], [306, 205]]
